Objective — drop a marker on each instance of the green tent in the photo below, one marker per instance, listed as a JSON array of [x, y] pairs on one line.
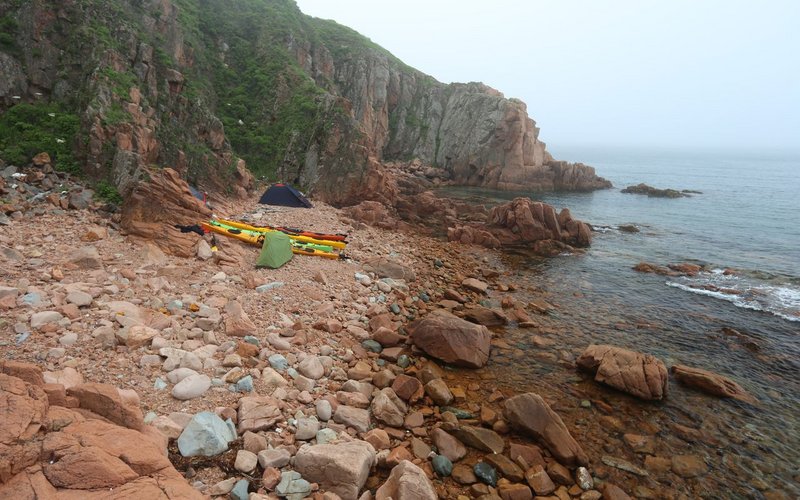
[[276, 250]]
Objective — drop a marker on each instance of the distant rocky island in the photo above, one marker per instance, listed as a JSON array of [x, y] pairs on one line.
[[659, 193]]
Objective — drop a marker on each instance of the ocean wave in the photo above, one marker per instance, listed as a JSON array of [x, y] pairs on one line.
[[780, 300]]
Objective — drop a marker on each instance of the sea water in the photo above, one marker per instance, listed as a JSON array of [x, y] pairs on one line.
[[744, 324]]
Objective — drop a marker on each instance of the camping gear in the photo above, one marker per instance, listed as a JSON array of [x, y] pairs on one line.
[[284, 195], [306, 236], [255, 238], [291, 231], [276, 251]]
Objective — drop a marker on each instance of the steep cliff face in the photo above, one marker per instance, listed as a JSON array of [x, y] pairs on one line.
[[201, 85]]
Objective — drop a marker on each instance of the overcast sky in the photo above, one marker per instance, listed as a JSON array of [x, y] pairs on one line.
[[674, 73]]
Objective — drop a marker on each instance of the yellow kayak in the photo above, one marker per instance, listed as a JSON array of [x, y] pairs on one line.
[[305, 239], [256, 240]]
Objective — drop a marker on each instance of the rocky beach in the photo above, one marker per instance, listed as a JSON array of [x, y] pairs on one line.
[[384, 375]]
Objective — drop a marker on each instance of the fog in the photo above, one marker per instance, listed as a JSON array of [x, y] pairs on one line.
[[677, 74]]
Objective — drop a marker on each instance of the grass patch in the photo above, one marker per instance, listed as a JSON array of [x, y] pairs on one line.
[[107, 192]]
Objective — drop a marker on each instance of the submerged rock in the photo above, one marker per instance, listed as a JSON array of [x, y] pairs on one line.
[[530, 413], [710, 383]]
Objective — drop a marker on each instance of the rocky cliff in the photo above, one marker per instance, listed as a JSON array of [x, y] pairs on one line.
[[204, 85]]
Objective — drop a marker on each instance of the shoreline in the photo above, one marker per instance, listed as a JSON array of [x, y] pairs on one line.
[[312, 305]]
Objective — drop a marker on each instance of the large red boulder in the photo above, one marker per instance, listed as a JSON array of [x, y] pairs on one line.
[[641, 375], [452, 339], [49, 451]]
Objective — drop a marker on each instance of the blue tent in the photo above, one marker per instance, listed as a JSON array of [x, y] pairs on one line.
[[285, 196]]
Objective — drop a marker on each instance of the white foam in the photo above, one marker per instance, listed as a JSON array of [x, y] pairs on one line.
[[781, 301]]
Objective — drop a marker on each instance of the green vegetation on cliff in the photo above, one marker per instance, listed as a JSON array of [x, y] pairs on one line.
[[29, 129]]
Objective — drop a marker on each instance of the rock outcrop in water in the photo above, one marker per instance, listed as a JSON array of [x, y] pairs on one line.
[[658, 193], [640, 375]]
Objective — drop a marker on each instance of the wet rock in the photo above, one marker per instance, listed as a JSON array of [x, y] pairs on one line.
[[356, 418], [479, 438], [613, 492], [640, 375], [442, 465], [485, 316], [539, 481], [623, 465], [525, 455], [485, 473], [583, 478], [505, 467], [448, 445], [406, 481], [710, 383], [689, 465], [438, 391], [340, 468], [475, 285], [515, 491], [531, 414], [408, 388], [451, 339], [206, 435], [388, 408], [463, 474]]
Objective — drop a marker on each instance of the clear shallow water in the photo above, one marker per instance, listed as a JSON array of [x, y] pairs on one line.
[[745, 219]]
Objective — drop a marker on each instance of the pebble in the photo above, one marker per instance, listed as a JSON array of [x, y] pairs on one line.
[[403, 361], [80, 299], [191, 387], [269, 286], [293, 486], [372, 346], [485, 473], [584, 478], [246, 461], [306, 429], [442, 465], [326, 435], [324, 409], [278, 362], [245, 384], [239, 492], [159, 384]]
